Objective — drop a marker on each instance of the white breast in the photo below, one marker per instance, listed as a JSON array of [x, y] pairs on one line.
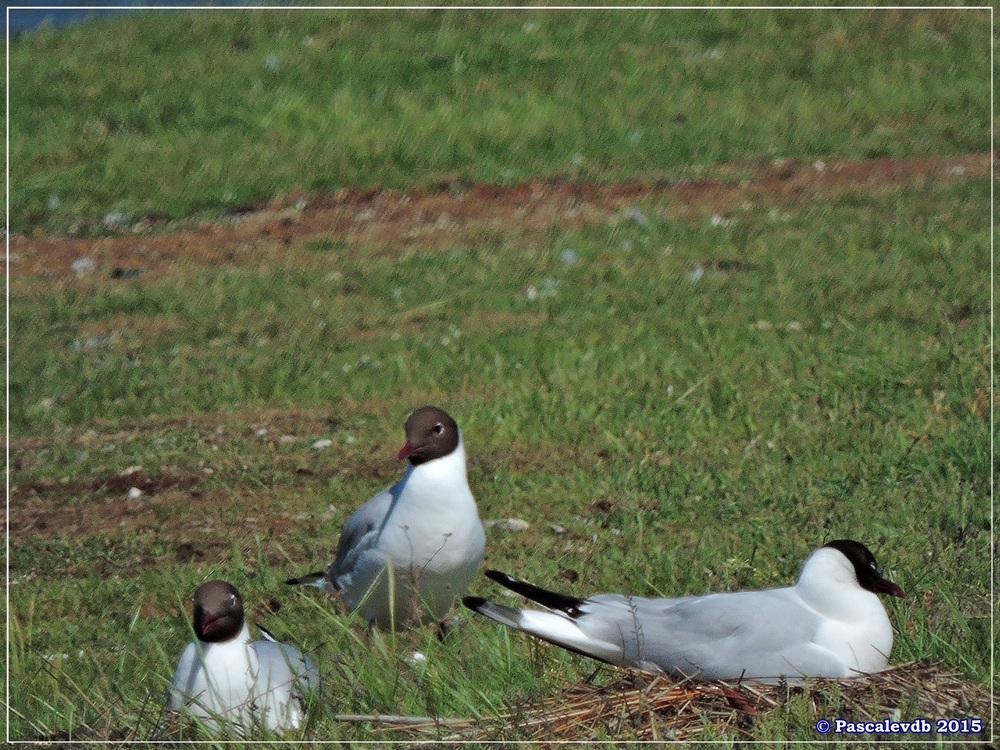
[[216, 680], [428, 549], [242, 683]]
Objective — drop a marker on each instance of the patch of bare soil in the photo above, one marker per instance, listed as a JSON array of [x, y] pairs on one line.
[[455, 213], [187, 521], [170, 523]]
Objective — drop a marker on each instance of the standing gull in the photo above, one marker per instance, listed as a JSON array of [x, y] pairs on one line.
[[407, 553]]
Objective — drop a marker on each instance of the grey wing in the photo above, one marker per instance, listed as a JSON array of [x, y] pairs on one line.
[[754, 634], [182, 683], [359, 533], [282, 664]]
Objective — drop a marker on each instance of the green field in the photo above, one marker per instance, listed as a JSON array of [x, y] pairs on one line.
[[196, 113], [697, 402]]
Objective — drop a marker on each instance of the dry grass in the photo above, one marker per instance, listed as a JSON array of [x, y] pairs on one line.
[[646, 707]]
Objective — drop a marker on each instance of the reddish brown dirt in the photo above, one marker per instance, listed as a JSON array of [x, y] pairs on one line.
[[369, 220], [456, 213]]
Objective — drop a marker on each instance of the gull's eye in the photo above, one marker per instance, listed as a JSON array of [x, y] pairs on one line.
[[438, 428]]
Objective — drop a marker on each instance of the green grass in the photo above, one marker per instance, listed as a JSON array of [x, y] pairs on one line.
[[723, 449], [175, 114], [688, 435]]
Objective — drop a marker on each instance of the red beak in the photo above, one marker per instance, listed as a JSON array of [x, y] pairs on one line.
[[208, 622], [406, 451], [888, 587]]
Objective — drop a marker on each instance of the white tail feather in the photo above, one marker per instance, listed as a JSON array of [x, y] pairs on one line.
[[554, 627]]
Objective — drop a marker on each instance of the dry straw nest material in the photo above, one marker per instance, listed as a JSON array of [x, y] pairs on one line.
[[638, 706]]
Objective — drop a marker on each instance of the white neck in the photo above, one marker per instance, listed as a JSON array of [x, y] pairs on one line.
[[446, 468], [240, 639], [829, 584]]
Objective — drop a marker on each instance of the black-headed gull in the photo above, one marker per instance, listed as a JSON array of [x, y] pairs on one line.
[[831, 623], [407, 553], [223, 675]]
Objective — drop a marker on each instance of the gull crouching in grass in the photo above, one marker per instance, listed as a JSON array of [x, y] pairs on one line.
[[411, 549], [225, 677], [831, 623]]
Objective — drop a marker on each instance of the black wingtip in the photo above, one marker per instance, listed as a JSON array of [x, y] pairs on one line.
[[268, 635], [473, 602], [501, 578], [550, 599], [312, 579]]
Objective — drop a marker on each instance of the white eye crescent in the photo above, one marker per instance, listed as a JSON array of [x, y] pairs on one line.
[[438, 428]]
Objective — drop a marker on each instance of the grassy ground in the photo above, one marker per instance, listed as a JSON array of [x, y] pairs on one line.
[[201, 113], [696, 402]]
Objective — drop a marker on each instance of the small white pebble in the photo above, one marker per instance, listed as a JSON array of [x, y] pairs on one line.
[[696, 273], [286, 439], [261, 432], [113, 219], [510, 524], [322, 443], [83, 266], [568, 256], [635, 214], [416, 658], [557, 529], [819, 166], [134, 494]]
